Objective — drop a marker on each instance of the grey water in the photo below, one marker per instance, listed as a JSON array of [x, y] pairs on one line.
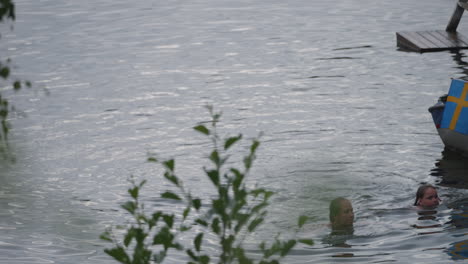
[[343, 112]]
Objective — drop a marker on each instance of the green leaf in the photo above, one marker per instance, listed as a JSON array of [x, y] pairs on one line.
[[309, 242], [196, 203], [214, 157], [257, 192], [254, 146], [214, 176], [205, 259], [287, 247], [230, 141], [241, 221], [215, 226], [169, 164], [238, 178], [248, 162], [191, 254], [201, 222], [186, 212], [253, 225], [164, 237], [219, 206], [227, 243], [142, 255], [169, 220], [301, 221], [152, 159], [177, 246], [262, 246], [185, 228], [134, 192], [119, 254], [5, 72], [143, 182], [155, 217], [170, 195], [17, 85], [106, 236], [141, 218], [202, 129], [243, 259], [268, 194], [172, 178], [258, 207], [197, 241], [216, 117], [130, 235], [130, 207]]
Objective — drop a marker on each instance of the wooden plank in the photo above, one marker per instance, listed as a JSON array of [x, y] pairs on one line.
[[427, 41], [414, 42], [458, 40], [420, 41], [459, 37], [404, 44], [411, 41], [443, 38], [436, 40], [453, 37], [437, 43], [407, 44]]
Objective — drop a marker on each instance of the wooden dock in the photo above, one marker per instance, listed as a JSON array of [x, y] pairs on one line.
[[427, 41], [437, 40]]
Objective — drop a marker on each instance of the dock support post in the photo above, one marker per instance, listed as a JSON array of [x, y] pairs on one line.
[[456, 16]]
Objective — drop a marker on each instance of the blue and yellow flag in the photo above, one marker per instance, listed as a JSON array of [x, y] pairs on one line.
[[456, 108]]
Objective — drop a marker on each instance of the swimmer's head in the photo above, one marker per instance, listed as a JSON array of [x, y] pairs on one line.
[[427, 197], [341, 213]]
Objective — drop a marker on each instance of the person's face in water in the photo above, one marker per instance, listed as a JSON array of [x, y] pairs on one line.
[[345, 216], [430, 198]]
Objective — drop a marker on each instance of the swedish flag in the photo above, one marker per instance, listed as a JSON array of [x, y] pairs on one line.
[[455, 115]]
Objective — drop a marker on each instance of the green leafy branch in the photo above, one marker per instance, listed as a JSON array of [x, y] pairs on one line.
[[235, 212], [7, 12]]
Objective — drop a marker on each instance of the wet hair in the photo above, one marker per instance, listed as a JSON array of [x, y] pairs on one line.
[[421, 191], [335, 207]]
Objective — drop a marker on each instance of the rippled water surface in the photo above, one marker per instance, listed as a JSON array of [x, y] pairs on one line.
[[343, 112]]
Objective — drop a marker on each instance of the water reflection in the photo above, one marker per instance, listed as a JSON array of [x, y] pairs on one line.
[[459, 250], [452, 169], [338, 238], [428, 222], [459, 221], [459, 218], [462, 65]]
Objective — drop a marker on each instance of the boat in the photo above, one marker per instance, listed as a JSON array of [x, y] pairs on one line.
[[450, 116]]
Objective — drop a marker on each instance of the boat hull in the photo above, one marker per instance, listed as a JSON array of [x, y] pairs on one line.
[[454, 141]]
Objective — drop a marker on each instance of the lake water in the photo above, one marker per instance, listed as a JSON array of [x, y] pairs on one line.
[[343, 112]]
